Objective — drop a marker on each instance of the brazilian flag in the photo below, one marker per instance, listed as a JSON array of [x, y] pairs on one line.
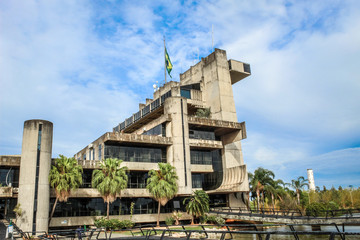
[[168, 63]]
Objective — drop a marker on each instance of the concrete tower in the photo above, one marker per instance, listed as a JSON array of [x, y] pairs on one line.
[[310, 174], [34, 189]]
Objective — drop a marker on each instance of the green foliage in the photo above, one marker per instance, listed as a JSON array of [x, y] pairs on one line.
[[170, 221], [112, 224], [162, 184], [109, 180], [203, 112], [315, 209], [197, 204], [65, 175], [132, 209], [215, 219]]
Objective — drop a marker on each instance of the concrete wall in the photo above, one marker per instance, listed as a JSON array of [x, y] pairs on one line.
[[28, 178], [176, 107]]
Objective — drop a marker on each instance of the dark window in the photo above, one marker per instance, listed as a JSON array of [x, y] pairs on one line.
[[197, 180], [247, 68], [165, 96], [129, 121], [9, 176], [185, 93], [155, 104], [135, 154], [158, 130], [137, 116], [206, 135], [145, 110], [86, 178], [217, 200], [137, 179], [122, 125], [201, 157], [96, 207], [99, 151]]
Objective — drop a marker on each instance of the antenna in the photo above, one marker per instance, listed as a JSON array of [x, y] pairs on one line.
[[212, 37]]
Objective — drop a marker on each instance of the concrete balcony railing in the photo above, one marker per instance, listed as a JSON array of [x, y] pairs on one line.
[[205, 143], [10, 160], [135, 138], [6, 191]]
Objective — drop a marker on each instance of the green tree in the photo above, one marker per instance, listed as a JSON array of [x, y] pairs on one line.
[[274, 189], [109, 180], [197, 204], [261, 178], [162, 184], [65, 175], [298, 185]]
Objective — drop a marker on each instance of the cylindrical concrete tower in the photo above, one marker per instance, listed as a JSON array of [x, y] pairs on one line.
[[34, 188], [311, 179]]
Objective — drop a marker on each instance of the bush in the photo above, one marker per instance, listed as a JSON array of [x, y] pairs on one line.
[[113, 223], [215, 219], [169, 221], [127, 224], [315, 209], [203, 219]]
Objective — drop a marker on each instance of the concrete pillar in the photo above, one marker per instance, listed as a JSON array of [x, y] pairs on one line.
[[178, 154], [218, 92], [34, 188], [310, 174]]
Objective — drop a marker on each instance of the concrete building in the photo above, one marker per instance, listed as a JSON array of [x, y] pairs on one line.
[[191, 124]]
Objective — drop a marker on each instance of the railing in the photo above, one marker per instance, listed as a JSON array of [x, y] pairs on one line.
[[143, 112], [187, 232], [290, 213]]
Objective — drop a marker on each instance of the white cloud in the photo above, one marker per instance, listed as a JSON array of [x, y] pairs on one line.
[[76, 63]]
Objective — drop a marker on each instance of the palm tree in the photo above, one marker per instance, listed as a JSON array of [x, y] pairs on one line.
[[274, 190], [109, 180], [258, 180], [197, 204], [162, 184], [65, 175], [298, 185]]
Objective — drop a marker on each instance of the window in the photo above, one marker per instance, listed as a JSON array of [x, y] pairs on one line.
[[201, 157], [99, 151], [137, 179], [158, 130], [206, 135], [185, 93], [135, 154], [197, 180]]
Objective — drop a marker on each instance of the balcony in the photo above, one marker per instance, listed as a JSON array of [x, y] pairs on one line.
[[238, 70]]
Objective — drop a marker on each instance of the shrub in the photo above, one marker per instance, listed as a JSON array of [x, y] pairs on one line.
[[203, 219], [127, 224], [315, 209], [113, 223], [215, 219], [169, 221]]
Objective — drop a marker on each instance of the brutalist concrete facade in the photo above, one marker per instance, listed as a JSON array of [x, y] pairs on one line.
[[204, 149]]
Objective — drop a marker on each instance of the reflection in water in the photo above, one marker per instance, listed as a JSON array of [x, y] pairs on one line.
[[301, 237]]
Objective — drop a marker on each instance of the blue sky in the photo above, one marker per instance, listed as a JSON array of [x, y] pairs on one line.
[[85, 66]]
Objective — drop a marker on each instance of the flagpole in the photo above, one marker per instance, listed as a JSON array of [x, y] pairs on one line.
[[164, 59]]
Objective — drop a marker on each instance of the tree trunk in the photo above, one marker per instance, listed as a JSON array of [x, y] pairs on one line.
[[192, 219], [298, 196], [158, 216], [107, 210], [258, 199], [53, 209], [273, 201]]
